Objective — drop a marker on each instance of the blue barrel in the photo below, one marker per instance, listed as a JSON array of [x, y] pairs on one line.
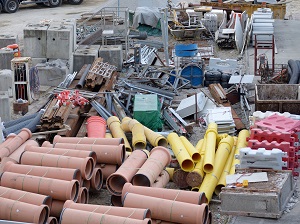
[[172, 78], [186, 50], [193, 73]]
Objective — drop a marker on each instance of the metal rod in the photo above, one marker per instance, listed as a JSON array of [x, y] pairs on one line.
[[81, 82]]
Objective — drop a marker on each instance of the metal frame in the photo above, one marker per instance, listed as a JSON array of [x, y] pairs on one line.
[[115, 19]]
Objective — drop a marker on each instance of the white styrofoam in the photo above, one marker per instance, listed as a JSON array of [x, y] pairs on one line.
[[187, 106]]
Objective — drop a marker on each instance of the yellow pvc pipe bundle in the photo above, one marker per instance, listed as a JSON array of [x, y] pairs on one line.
[[196, 176], [222, 181], [114, 126], [210, 149], [211, 180], [241, 143], [183, 157], [195, 155], [154, 138]]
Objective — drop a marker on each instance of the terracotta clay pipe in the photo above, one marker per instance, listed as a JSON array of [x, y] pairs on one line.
[[15, 143], [168, 210], [18, 152], [62, 151], [133, 213], [85, 165], [7, 140], [71, 216], [44, 171], [116, 201], [93, 141], [51, 220], [126, 171], [169, 194], [107, 169], [153, 166], [107, 154], [57, 207], [57, 189], [97, 179], [83, 197], [23, 212], [162, 180], [24, 196]]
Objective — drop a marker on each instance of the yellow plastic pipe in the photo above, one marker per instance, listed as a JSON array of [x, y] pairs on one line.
[[114, 126], [222, 181], [198, 147], [210, 148], [170, 171], [220, 137], [195, 155], [211, 180], [184, 159], [138, 136], [241, 143], [196, 176], [108, 135], [154, 138]]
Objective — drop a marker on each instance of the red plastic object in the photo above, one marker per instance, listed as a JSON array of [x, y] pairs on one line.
[[284, 146], [96, 127], [16, 49], [271, 136], [279, 123]]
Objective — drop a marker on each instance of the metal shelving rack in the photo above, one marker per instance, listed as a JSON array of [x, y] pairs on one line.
[[21, 85]]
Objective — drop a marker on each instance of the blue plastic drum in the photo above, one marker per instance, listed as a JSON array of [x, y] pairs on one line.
[[194, 74], [186, 50]]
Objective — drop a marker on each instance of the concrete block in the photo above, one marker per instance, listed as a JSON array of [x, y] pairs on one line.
[[263, 199], [35, 40], [6, 55], [6, 82], [113, 54], [52, 73], [187, 106], [85, 55], [6, 39], [36, 61], [5, 111], [60, 41], [72, 23]]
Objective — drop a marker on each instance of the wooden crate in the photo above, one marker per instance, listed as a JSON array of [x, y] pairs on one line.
[[277, 97], [263, 199]]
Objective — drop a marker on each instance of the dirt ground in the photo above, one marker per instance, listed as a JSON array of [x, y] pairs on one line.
[[13, 24]]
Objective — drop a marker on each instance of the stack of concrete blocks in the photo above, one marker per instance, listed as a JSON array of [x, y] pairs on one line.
[[85, 54], [61, 41], [6, 40], [6, 81], [51, 46], [35, 42], [5, 106], [113, 54], [6, 54], [263, 25]]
